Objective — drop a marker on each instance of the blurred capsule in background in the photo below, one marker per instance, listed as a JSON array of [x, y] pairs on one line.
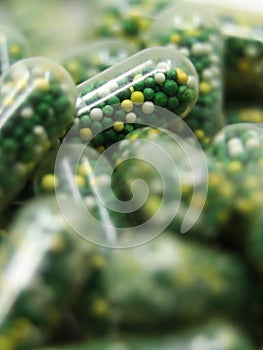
[[13, 47], [52, 26], [247, 113], [126, 20], [131, 92], [91, 58], [37, 99], [195, 33], [43, 265]]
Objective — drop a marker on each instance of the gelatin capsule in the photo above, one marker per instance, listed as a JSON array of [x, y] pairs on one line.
[[146, 154], [196, 34], [166, 280], [248, 113], [131, 92], [89, 60], [83, 174], [13, 47], [123, 20], [237, 146], [37, 99], [41, 264]]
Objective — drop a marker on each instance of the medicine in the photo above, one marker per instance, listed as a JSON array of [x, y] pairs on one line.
[[37, 99], [85, 62], [131, 93], [166, 280], [146, 155], [41, 272], [13, 47], [195, 33]]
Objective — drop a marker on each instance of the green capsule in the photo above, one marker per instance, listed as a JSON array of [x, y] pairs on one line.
[[37, 98], [41, 264], [166, 281], [13, 47], [195, 32], [127, 91]]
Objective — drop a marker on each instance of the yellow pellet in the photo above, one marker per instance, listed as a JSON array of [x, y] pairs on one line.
[[85, 134], [182, 77]]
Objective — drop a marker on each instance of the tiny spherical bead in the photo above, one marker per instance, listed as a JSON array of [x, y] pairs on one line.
[[148, 107], [182, 77], [127, 105], [118, 126], [130, 117], [49, 182], [160, 99], [96, 114], [85, 134], [159, 78], [137, 97]]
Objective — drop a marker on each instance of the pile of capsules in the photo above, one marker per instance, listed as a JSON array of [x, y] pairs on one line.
[[131, 176]]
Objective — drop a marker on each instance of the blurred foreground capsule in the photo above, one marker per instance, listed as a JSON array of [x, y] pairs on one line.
[[129, 93], [216, 335], [37, 98], [166, 281], [237, 147], [145, 155], [43, 264], [13, 47], [89, 60], [195, 33]]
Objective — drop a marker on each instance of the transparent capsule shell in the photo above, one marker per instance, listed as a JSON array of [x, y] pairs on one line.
[[195, 32], [13, 47], [37, 99], [145, 155], [131, 92], [41, 264]]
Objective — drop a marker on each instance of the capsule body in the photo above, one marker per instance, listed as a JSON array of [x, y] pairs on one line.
[[13, 47], [41, 264], [196, 34], [129, 94], [36, 103]]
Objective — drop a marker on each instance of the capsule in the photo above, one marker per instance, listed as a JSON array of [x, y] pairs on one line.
[[87, 61], [37, 98], [13, 47], [166, 281], [146, 154], [46, 34], [215, 334], [243, 65], [124, 20], [237, 146], [195, 33], [86, 176], [131, 92], [43, 265], [237, 150], [243, 114]]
